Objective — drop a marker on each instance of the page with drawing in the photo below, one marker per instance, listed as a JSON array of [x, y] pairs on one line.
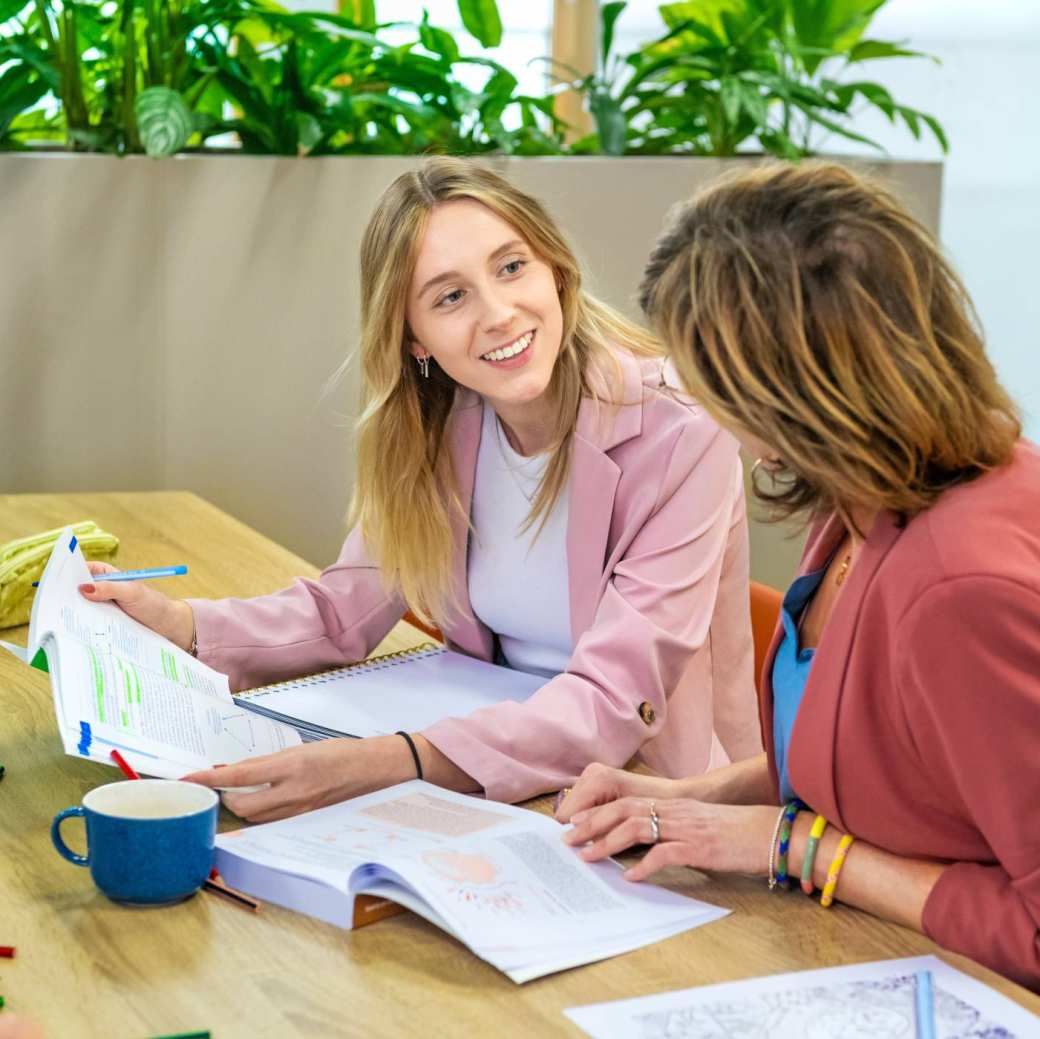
[[861, 1001], [497, 877]]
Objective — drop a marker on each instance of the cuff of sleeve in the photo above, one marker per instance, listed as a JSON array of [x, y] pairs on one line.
[[974, 909], [503, 778]]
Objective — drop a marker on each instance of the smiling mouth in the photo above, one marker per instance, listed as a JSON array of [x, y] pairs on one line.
[[513, 349]]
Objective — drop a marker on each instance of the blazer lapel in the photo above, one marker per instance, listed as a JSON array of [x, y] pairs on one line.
[[594, 479], [816, 726]]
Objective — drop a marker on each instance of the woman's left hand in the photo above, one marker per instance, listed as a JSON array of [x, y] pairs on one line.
[[308, 776], [727, 838]]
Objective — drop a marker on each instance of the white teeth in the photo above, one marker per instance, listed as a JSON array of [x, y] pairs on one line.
[[505, 352]]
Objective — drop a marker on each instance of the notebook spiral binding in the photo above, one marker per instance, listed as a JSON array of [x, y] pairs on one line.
[[380, 663]]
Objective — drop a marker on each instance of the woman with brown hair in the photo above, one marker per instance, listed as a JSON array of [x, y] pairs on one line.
[[900, 702], [527, 480]]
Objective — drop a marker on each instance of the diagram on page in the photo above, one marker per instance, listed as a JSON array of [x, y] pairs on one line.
[[850, 1010]]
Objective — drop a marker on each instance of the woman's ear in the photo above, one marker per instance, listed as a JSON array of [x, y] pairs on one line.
[[417, 350]]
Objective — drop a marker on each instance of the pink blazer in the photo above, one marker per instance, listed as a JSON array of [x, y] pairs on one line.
[[919, 728], [657, 559]]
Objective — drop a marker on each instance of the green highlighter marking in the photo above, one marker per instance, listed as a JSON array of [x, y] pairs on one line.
[[99, 685]]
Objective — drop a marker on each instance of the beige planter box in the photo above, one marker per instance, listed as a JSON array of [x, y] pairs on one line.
[[173, 324]]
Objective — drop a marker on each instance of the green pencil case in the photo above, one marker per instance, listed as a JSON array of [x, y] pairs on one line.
[[22, 562]]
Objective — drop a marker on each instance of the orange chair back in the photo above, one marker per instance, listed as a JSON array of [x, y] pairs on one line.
[[765, 611], [426, 629]]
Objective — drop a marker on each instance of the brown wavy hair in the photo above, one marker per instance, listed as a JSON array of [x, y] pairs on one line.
[[405, 494], [804, 305]]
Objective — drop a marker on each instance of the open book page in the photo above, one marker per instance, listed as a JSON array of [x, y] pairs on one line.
[[118, 684], [507, 880], [497, 877], [865, 999]]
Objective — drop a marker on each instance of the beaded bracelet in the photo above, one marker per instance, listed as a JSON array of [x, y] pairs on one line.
[[791, 809], [772, 847], [818, 826], [835, 868]]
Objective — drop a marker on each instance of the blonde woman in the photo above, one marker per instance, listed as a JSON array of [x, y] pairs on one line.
[[528, 481], [900, 702]]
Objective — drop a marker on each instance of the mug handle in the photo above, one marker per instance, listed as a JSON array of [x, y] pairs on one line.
[[63, 849]]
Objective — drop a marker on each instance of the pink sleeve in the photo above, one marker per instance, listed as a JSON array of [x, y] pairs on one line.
[[971, 667], [654, 614], [310, 626]]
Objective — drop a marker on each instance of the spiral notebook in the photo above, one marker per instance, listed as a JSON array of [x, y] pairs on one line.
[[409, 690]]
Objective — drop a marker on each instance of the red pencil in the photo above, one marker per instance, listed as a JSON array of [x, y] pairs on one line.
[[7, 952], [123, 764]]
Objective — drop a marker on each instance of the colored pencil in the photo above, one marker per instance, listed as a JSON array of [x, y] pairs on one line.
[[924, 1005], [123, 764]]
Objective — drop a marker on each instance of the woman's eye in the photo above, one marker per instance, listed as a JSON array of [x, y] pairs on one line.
[[450, 298], [514, 266]]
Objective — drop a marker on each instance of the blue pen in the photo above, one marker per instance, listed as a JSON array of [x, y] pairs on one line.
[[924, 1006], [139, 575]]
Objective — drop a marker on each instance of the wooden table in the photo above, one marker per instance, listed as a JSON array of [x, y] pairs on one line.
[[87, 967]]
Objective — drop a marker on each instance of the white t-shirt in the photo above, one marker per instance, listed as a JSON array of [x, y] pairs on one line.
[[518, 584]]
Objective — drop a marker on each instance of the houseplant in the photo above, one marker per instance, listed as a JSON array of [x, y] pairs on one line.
[[725, 76]]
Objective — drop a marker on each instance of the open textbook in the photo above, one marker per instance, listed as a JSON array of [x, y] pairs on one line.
[[117, 684], [498, 878]]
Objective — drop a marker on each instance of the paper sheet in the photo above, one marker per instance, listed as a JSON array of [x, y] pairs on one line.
[[862, 1001]]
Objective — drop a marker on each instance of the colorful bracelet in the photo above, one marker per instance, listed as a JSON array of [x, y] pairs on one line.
[[791, 809], [772, 847], [818, 826], [835, 868]]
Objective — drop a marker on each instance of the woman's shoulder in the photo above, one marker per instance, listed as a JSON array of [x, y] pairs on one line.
[[987, 526]]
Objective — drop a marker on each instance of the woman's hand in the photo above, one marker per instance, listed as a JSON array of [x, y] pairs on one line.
[[12, 1027], [171, 618], [600, 784], [311, 775], [727, 838]]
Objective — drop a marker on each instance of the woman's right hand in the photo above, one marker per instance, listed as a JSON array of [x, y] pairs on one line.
[[601, 784], [171, 618]]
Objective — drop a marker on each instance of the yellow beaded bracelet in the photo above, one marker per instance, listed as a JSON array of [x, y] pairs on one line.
[[835, 868], [818, 826]]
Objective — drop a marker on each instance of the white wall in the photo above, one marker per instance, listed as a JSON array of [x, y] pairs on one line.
[[986, 94]]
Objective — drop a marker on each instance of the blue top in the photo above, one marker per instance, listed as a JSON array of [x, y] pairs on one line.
[[790, 673]]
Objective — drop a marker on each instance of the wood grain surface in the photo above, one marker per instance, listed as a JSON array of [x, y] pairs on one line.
[[87, 967]]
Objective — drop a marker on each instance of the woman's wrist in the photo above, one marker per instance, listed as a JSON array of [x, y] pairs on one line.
[[180, 628]]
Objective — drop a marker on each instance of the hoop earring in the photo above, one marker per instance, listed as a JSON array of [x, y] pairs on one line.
[[770, 465], [424, 365]]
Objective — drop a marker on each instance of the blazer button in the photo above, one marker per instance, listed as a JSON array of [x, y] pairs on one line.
[[647, 713]]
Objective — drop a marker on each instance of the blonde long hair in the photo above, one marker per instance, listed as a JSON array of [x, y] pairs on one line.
[[406, 493], [806, 306]]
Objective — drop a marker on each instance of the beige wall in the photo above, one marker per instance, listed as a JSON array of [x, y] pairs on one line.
[[173, 324]]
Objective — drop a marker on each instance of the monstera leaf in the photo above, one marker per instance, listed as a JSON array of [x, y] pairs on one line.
[[164, 121]]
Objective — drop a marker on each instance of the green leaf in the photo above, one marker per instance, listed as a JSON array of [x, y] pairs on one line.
[[164, 121], [481, 19], [867, 50], [361, 12], [308, 133], [9, 8], [934, 125], [19, 91], [608, 16], [830, 26], [610, 122], [438, 41]]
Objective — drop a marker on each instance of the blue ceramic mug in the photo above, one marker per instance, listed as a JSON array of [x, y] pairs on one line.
[[149, 841]]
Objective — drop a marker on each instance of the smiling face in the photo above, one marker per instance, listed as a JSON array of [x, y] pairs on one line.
[[484, 306]]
